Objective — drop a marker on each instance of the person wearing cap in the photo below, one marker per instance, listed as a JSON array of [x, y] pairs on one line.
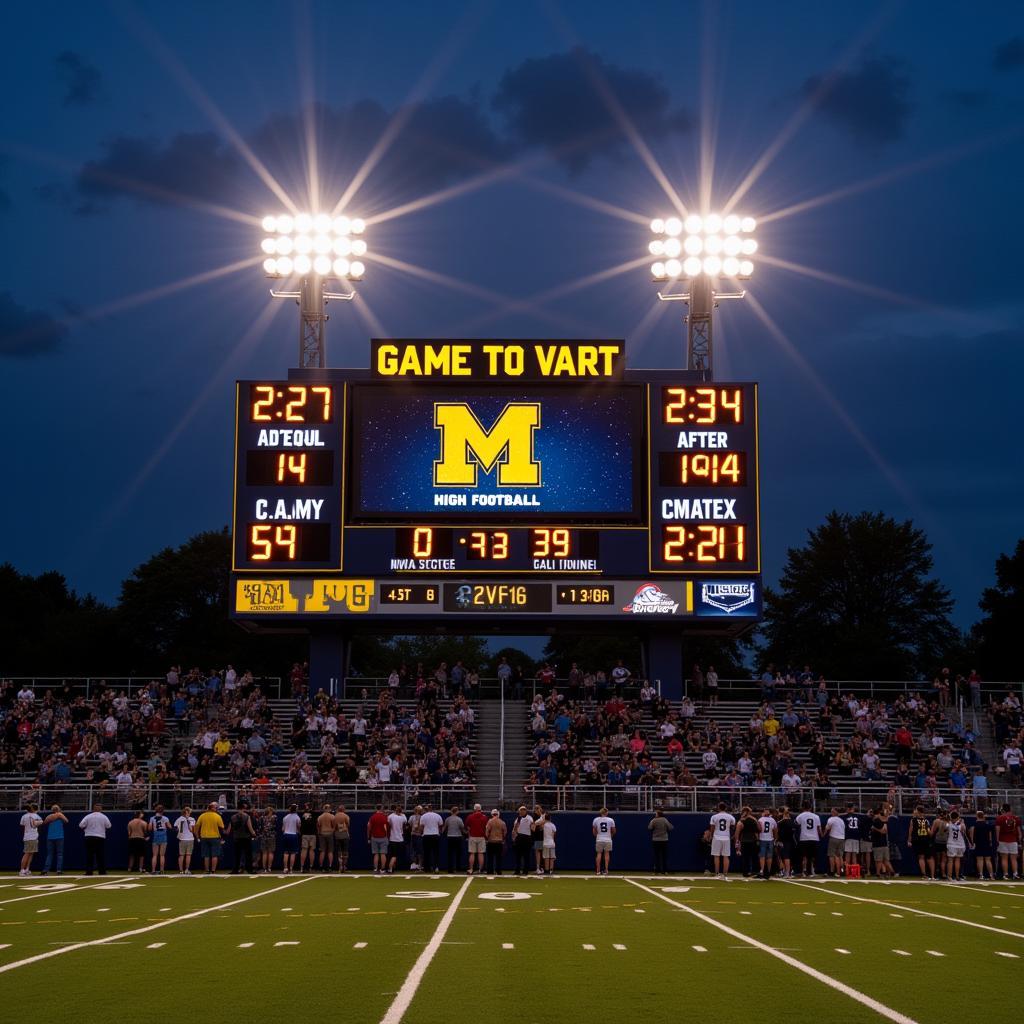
[[210, 828], [476, 826], [495, 832]]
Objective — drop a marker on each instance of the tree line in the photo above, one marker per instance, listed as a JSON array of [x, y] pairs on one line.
[[858, 599]]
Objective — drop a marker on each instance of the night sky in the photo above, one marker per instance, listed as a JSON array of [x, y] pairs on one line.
[[517, 153]]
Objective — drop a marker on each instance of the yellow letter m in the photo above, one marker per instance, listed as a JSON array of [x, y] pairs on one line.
[[466, 445]]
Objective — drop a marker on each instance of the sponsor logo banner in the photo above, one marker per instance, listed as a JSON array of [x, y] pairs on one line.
[[650, 599], [729, 598], [265, 597]]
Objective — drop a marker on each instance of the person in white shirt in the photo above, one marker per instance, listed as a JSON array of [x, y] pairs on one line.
[[722, 826], [808, 826], [95, 825], [431, 822], [603, 828], [27, 694], [30, 822], [522, 840], [184, 828], [1012, 759], [549, 828], [768, 834], [291, 826], [397, 824], [835, 830]]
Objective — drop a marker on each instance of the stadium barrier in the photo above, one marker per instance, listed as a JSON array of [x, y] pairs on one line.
[[86, 686]]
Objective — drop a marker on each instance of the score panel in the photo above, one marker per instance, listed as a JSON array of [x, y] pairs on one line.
[[704, 497], [289, 476]]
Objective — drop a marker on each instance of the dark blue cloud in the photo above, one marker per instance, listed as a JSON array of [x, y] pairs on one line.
[[557, 103], [871, 105], [27, 333], [83, 83], [1009, 56]]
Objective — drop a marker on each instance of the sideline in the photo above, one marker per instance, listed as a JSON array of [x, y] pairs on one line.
[[396, 1011], [825, 979], [4, 968], [906, 909]]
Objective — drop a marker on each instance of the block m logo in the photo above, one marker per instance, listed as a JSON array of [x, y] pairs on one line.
[[467, 446]]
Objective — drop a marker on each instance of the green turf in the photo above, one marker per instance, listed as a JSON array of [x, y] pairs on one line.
[[546, 971]]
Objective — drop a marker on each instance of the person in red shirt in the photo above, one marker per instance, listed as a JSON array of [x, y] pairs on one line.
[[476, 824], [1008, 840], [377, 834]]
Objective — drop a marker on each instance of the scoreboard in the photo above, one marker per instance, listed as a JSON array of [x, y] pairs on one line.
[[533, 479]]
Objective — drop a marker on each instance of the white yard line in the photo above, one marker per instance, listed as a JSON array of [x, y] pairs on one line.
[[987, 891], [55, 892], [148, 928], [911, 910], [396, 1011], [825, 979]]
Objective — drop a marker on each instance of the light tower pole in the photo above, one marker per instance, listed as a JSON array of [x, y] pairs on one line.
[[711, 248], [311, 250]]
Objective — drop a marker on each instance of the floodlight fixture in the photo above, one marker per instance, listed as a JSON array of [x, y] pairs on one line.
[[309, 250], [699, 250]]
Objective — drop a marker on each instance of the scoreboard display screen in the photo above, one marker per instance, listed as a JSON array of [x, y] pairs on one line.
[[533, 479]]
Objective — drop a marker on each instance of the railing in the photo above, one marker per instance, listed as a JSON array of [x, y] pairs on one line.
[[697, 799], [489, 687], [86, 686], [80, 798]]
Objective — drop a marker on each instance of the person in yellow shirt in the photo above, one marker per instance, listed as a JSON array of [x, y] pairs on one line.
[[771, 727], [210, 828], [222, 750]]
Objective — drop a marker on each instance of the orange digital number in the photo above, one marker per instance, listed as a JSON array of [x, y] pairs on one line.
[[548, 543], [713, 537], [263, 538], [291, 464], [675, 410], [326, 394], [258, 415], [733, 402], [499, 545], [674, 550], [259, 543], [422, 541], [708, 405], [290, 413]]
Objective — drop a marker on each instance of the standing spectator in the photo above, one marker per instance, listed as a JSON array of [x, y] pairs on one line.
[[431, 823], [185, 829], [159, 826], [137, 832], [956, 847], [242, 834], [30, 822], [787, 841], [307, 838], [1012, 757], [398, 823], [982, 834], [95, 826], [266, 832], [974, 684], [522, 840], [722, 825], [767, 830], [494, 834], [55, 822], [1008, 838], [747, 836], [697, 682], [210, 828], [538, 838], [325, 828], [711, 682], [919, 839], [853, 821], [835, 830], [476, 826], [809, 835], [455, 831], [290, 828], [659, 827], [603, 829], [548, 832], [880, 843], [342, 836], [377, 835], [416, 839]]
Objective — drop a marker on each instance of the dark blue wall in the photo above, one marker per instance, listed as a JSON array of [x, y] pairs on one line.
[[632, 850]]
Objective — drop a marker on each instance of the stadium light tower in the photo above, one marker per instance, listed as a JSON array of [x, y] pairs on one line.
[[702, 250], [312, 250]]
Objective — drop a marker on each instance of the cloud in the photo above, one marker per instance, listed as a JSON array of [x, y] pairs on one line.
[[1009, 56], [556, 103], [871, 104], [26, 333], [83, 82]]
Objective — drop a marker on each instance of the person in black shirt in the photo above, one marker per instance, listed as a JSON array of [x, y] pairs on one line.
[[787, 843], [747, 836], [880, 843], [242, 833]]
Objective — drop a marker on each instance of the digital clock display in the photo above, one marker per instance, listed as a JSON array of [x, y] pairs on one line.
[[412, 593], [284, 543], [704, 543], [585, 595], [702, 469], [289, 469], [291, 403], [702, 406]]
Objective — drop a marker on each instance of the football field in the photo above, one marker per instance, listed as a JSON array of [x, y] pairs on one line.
[[429, 949]]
